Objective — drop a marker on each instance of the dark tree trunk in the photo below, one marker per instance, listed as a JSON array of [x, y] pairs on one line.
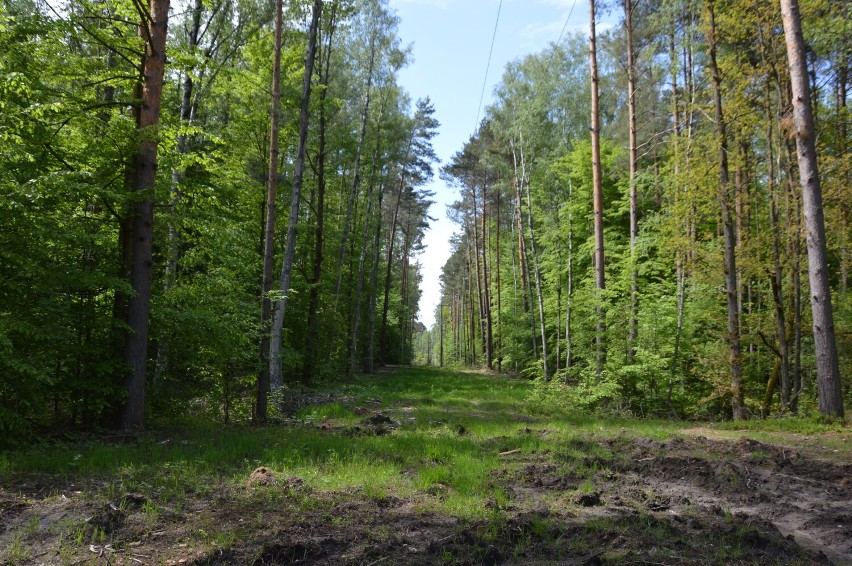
[[154, 30], [311, 353], [728, 230]]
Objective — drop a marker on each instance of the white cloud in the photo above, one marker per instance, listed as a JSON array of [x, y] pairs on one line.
[[442, 4]]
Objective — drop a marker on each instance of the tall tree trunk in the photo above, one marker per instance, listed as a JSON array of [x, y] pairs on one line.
[[263, 385], [276, 378], [391, 241], [356, 315], [369, 355], [536, 270], [173, 253], [486, 283], [479, 283], [472, 332], [825, 345], [311, 352], [794, 239], [356, 179], [523, 259], [843, 149], [597, 197], [144, 173], [728, 230], [570, 291], [633, 331], [499, 298], [778, 275]]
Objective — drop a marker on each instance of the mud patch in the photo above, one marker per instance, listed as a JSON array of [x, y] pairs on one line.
[[763, 498]]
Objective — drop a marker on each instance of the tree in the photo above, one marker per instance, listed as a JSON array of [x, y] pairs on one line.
[[264, 381], [728, 229], [153, 29], [275, 373], [597, 194], [825, 345]]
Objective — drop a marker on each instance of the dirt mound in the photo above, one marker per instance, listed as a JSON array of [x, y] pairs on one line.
[[768, 497], [262, 476], [377, 424]]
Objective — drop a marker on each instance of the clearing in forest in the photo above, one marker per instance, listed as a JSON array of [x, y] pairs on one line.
[[424, 466]]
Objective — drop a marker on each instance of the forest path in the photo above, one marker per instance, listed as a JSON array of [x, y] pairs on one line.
[[422, 466]]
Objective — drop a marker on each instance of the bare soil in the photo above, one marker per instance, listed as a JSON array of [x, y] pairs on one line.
[[629, 500]]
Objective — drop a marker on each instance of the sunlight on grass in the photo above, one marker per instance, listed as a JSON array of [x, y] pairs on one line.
[[443, 447]]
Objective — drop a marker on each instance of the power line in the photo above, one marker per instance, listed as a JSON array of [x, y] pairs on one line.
[[488, 65], [562, 33]]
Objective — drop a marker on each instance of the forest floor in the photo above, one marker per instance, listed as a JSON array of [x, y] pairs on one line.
[[424, 466]]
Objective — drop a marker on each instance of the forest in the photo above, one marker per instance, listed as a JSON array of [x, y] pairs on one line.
[[666, 264], [674, 263], [212, 215]]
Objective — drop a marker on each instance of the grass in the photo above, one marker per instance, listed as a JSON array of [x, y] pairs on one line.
[[454, 434], [451, 433]]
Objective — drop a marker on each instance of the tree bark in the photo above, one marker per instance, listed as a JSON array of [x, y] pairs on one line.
[[783, 363], [144, 173], [536, 270], [263, 385], [356, 180], [311, 352], [186, 118], [728, 230], [825, 345], [276, 378], [633, 331], [486, 287], [597, 197], [523, 259]]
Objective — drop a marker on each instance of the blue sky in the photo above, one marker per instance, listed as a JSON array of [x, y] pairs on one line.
[[451, 40]]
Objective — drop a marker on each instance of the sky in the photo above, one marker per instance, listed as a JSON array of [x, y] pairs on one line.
[[451, 41]]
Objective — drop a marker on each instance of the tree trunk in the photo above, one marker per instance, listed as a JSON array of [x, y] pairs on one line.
[[570, 291], [263, 385], [536, 270], [356, 180], [842, 114], [479, 277], [144, 173], [311, 352], [276, 378], [825, 345], [369, 358], [777, 278], [173, 253], [597, 196], [633, 331], [499, 298], [369, 355], [362, 258], [386, 304], [728, 230], [523, 259], [486, 283]]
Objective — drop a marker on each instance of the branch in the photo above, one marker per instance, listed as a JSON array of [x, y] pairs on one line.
[[768, 345]]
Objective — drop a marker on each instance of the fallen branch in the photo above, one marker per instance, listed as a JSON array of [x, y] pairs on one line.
[[508, 452]]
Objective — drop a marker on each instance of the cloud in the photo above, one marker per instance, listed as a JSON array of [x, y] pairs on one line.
[[442, 4], [558, 3], [550, 29]]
